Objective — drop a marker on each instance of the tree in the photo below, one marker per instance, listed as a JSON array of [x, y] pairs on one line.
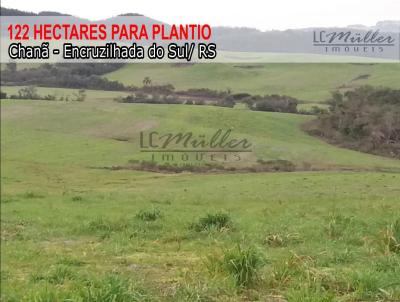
[[80, 96], [366, 118], [29, 92], [146, 82]]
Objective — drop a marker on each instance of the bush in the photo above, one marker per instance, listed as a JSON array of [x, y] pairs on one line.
[[149, 215], [226, 102], [149, 98], [275, 103], [29, 92], [240, 96], [80, 96], [218, 221], [203, 92], [365, 119], [104, 227], [276, 165], [200, 102]]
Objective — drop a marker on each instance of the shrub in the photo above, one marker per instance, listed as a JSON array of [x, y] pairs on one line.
[[49, 97], [149, 215], [29, 92], [276, 165], [80, 96], [226, 102], [365, 119], [104, 227], [200, 102], [219, 221], [203, 92], [77, 198], [240, 96], [272, 103], [32, 195]]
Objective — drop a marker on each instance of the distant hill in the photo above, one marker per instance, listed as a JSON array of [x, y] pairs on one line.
[[388, 26], [248, 39], [15, 12], [130, 15]]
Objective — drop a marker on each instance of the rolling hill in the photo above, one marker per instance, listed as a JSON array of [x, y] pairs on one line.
[[102, 133], [71, 228], [308, 82]]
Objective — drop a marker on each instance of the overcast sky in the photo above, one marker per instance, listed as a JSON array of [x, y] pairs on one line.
[[261, 14]]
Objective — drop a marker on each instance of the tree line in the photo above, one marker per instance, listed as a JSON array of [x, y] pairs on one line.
[[80, 76], [89, 76], [366, 119]]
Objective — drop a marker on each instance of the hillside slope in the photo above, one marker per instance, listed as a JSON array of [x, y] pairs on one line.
[[64, 222], [308, 82], [98, 134]]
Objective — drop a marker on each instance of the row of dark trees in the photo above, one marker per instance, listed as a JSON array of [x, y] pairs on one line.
[[272, 103], [31, 93], [89, 76], [82, 76], [366, 119]]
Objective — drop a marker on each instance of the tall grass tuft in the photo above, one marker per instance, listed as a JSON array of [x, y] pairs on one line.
[[56, 275], [113, 288], [243, 265], [391, 238], [218, 221], [46, 294], [337, 225], [149, 215], [103, 227]]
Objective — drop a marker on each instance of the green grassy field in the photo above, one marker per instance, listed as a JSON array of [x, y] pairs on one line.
[[71, 232], [308, 82], [101, 134]]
